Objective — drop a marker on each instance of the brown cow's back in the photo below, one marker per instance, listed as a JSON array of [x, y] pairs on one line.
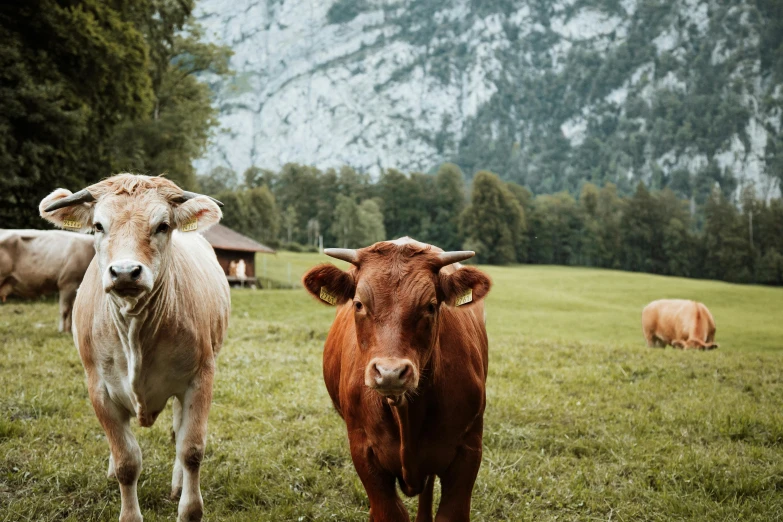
[[678, 322]]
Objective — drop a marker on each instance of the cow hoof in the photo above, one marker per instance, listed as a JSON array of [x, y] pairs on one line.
[[192, 513], [131, 517]]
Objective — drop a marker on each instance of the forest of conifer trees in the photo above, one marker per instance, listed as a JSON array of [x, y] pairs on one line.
[[651, 231]]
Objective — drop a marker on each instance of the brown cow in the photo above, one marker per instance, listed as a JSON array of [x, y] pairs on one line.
[[149, 320], [40, 262], [680, 323], [405, 364]]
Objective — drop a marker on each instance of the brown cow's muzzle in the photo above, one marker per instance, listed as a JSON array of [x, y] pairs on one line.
[[391, 377]]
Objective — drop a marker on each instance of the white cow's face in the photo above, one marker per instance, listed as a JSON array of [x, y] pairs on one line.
[[132, 239], [133, 219]]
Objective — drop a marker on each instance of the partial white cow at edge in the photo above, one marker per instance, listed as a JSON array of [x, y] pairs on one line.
[[40, 262]]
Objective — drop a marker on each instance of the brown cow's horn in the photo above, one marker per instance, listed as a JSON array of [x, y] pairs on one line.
[[83, 196], [346, 254], [447, 258], [186, 195]]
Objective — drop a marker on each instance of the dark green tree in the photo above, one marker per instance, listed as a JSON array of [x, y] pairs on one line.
[[492, 221], [405, 210], [641, 229], [447, 207], [219, 180], [176, 130], [258, 177], [297, 192], [370, 223], [726, 247], [69, 74], [555, 226], [609, 214], [252, 212]]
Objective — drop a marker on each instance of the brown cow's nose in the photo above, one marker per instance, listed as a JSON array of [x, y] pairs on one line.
[[125, 273], [390, 374]]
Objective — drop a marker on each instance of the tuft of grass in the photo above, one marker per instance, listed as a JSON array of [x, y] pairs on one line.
[[583, 422]]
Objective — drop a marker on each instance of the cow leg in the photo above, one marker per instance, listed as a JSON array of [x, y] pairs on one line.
[[191, 442], [6, 288], [385, 505], [176, 477], [67, 296], [457, 484], [125, 458], [424, 513]]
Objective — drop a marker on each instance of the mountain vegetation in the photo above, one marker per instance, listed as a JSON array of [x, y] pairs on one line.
[[549, 94]]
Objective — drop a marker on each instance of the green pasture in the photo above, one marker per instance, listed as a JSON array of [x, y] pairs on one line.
[[583, 422]]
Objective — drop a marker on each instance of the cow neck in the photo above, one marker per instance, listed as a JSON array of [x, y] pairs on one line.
[[410, 416], [137, 322]]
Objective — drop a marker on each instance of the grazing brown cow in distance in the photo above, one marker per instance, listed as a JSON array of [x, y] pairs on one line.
[[149, 320], [405, 364], [680, 323]]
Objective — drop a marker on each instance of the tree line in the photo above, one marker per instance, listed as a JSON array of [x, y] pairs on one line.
[[652, 231]]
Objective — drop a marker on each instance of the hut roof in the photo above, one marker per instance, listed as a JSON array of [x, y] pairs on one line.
[[227, 239]]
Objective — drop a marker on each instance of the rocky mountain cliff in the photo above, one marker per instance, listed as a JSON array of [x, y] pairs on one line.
[[683, 93]]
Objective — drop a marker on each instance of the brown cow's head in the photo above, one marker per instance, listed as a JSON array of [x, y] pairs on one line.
[[694, 344], [132, 218], [397, 291]]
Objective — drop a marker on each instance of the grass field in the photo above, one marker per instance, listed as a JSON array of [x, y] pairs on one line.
[[584, 422]]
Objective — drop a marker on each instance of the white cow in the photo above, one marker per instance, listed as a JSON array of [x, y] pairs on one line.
[[41, 262], [149, 320]]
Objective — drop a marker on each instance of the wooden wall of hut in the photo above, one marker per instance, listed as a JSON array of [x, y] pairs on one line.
[[226, 256]]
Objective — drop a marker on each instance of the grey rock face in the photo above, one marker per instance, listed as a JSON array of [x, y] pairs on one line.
[[545, 93]]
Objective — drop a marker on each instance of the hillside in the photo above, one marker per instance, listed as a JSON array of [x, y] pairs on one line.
[[547, 94]]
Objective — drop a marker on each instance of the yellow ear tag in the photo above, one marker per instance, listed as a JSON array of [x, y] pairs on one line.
[[465, 298], [327, 297], [190, 226], [72, 223]]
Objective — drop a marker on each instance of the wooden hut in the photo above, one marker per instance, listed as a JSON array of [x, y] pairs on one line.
[[232, 247]]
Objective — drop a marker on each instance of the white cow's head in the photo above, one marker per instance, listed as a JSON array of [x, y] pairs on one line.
[[132, 218]]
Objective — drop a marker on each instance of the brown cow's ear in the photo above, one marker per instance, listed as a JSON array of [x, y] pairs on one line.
[[329, 284], [465, 286], [76, 218]]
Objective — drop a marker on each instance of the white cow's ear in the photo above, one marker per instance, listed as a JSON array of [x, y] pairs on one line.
[[198, 213], [77, 218]]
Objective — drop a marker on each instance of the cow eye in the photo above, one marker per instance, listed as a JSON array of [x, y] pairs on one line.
[[431, 308], [358, 306], [162, 228], [98, 227]]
